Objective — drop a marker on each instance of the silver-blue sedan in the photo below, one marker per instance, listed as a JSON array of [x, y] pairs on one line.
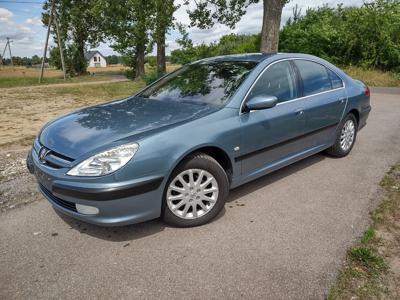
[[176, 148]]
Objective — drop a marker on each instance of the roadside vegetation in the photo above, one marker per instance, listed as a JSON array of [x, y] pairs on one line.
[[372, 267], [374, 77], [365, 41]]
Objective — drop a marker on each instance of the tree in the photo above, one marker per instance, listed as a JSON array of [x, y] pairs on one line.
[[78, 27], [113, 59], [229, 12], [54, 57], [127, 24], [164, 10]]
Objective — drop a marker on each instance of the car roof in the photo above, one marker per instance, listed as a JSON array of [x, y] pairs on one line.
[[258, 57], [253, 57]]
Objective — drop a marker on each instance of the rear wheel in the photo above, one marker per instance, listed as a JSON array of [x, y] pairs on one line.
[[196, 192], [345, 137]]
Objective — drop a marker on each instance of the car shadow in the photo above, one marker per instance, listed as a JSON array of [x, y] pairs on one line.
[[141, 230], [115, 234]]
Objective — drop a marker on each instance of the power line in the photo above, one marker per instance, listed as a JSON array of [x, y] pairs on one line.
[[20, 2]]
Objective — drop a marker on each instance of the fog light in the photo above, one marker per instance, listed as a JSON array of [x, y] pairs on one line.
[[86, 209]]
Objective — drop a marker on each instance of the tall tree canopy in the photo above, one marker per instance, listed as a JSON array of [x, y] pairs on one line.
[[133, 26], [229, 12]]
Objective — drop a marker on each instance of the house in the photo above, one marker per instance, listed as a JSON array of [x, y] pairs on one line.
[[95, 59]]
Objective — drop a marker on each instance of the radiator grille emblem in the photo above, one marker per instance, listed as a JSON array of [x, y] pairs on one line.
[[42, 154]]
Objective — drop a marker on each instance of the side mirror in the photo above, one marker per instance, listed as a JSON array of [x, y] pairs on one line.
[[261, 102]]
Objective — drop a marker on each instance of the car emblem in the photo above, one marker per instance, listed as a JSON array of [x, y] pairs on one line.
[[42, 154]]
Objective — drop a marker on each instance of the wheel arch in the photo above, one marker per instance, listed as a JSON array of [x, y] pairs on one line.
[[216, 152], [356, 114]]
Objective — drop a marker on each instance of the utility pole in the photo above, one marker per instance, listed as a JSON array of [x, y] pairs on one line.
[[9, 49], [8, 44], [53, 18], [47, 41], [2, 56]]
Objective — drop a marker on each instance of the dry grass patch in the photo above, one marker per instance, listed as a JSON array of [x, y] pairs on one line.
[[25, 110], [374, 77], [7, 71]]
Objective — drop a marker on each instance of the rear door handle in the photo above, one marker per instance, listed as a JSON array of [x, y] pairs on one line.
[[342, 100]]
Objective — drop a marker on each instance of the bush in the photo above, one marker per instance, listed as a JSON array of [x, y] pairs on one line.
[[366, 36], [152, 76]]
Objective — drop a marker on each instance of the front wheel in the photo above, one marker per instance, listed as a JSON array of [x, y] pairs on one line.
[[345, 137], [195, 192]]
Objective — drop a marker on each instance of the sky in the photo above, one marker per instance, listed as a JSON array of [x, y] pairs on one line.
[[20, 21]]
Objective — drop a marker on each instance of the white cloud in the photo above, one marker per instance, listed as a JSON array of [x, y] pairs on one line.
[[36, 21], [24, 40], [5, 15]]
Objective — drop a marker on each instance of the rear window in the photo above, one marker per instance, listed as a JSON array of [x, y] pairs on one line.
[[335, 80], [315, 77]]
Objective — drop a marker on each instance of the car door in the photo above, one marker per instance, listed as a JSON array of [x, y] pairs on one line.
[[326, 100], [270, 135]]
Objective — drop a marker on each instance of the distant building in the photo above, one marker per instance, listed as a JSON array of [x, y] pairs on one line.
[[95, 59]]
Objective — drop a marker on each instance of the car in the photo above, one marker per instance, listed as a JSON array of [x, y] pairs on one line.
[[177, 148]]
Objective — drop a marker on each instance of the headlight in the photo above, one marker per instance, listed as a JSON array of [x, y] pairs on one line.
[[106, 162]]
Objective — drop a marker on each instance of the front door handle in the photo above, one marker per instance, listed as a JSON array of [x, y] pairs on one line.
[[299, 112]]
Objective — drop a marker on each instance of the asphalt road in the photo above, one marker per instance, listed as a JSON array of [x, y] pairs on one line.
[[283, 236]]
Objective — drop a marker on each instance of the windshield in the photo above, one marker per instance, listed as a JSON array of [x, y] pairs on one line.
[[203, 83]]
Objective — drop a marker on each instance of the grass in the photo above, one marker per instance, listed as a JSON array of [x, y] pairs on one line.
[[18, 71], [370, 270], [21, 76], [26, 110], [114, 90], [374, 77], [8, 82]]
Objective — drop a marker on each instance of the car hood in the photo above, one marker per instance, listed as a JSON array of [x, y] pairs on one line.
[[93, 127]]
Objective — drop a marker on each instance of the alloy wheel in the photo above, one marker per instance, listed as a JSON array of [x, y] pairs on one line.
[[192, 193], [347, 135]]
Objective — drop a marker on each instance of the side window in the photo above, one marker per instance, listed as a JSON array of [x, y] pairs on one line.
[[276, 81], [95, 58], [315, 77], [335, 80]]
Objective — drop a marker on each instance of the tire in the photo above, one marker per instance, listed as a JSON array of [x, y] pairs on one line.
[[340, 148], [185, 201]]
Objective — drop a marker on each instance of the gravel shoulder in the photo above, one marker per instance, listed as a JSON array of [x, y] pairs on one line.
[[282, 236]]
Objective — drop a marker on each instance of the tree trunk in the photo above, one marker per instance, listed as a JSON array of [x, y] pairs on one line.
[[161, 64], [80, 64], [139, 63], [271, 24]]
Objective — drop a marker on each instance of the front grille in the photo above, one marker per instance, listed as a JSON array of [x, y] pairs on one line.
[[65, 204], [53, 159]]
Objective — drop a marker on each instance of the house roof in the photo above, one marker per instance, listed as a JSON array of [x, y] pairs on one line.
[[90, 54]]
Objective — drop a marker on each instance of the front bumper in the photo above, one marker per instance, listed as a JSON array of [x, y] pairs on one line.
[[119, 203]]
